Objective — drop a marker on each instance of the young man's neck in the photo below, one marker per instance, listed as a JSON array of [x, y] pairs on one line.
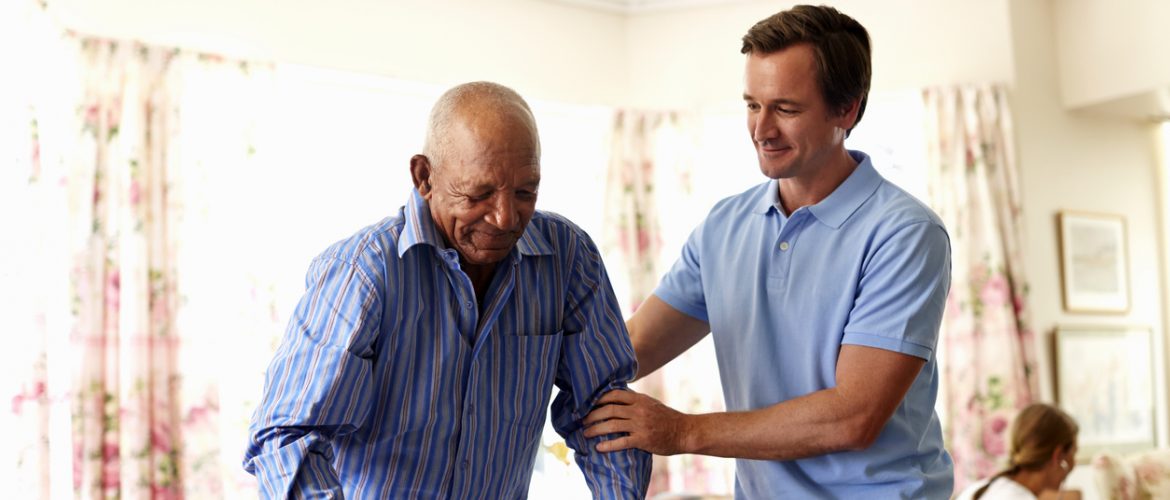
[[796, 192]]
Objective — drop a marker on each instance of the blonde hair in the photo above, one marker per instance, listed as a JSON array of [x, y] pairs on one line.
[[1038, 431]]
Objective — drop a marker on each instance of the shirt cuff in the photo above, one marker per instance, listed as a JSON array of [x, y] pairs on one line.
[[887, 343]]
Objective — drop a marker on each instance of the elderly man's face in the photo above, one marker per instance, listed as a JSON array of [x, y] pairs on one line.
[[484, 194]]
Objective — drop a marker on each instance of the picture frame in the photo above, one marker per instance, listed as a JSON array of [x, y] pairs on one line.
[[1094, 264], [1105, 380]]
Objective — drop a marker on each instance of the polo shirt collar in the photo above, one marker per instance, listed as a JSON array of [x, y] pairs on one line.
[[835, 209]]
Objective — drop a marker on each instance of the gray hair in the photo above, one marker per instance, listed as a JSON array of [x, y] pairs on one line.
[[475, 96]]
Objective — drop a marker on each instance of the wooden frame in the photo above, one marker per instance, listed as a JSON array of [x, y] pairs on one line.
[[1094, 263], [1105, 380]]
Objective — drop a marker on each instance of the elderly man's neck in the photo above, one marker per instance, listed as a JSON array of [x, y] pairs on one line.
[[481, 278]]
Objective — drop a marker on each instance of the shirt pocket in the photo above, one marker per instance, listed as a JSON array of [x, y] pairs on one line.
[[523, 370]]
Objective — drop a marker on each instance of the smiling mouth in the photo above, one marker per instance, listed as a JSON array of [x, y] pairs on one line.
[[494, 242], [771, 147]]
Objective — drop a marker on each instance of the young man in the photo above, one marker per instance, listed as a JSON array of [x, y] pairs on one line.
[[823, 288], [420, 361]]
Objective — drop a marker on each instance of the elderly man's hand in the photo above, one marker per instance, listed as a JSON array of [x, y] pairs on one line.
[[648, 424]]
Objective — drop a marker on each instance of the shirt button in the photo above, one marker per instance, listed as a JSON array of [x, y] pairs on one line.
[[465, 464], [467, 304], [783, 246]]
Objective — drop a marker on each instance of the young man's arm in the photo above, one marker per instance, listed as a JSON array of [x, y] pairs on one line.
[[871, 383], [660, 333]]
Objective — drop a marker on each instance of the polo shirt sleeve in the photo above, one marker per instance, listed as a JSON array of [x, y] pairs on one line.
[[682, 287], [902, 291]]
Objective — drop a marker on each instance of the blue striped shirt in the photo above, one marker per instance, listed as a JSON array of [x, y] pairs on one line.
[[390, 384]]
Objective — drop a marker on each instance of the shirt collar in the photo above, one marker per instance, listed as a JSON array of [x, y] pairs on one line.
[[850, 195], [420, 229], [835, 209], [770, 199]]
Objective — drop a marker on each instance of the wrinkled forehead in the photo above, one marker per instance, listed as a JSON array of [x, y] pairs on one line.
[[491, 174]]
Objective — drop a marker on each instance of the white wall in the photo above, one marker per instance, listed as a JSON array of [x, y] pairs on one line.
[[551, 51], [690, 58], [1109, 49], [1069, 161], [543, 50]]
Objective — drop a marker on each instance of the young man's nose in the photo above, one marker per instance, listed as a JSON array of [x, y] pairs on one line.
[[763, 128]]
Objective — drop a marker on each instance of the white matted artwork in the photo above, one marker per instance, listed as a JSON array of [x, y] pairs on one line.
[[1093, 262], [1105, 380]]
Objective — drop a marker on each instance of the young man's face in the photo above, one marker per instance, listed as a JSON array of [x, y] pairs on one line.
[[793, 130]]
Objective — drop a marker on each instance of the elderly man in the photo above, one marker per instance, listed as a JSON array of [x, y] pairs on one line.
[[420, 361]]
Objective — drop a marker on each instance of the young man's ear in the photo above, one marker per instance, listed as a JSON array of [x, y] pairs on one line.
[[420, 173], [848, 114]]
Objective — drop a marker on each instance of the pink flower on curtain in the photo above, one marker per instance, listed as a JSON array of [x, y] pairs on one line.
[[78, 456], [135, 192], [995, 292], [37, 394], [160, 437], [994, 441]]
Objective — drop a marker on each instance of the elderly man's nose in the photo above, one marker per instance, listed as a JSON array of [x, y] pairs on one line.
[[503, 214]]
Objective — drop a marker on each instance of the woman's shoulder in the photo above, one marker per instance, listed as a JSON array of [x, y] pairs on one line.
[[969, 492], [1002, 488]]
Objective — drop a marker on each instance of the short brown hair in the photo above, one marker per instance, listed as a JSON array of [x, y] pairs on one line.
[[840, 45]]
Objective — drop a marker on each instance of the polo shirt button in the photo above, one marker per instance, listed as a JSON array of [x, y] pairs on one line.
[[783, 246]]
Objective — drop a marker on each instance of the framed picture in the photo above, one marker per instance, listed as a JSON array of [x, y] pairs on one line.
[[1105, 380], [1093, 264]]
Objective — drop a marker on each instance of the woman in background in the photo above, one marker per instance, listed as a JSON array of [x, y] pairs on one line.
[[1043, 453]]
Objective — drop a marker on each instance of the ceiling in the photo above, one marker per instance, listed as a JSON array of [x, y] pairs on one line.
[[640, 6]]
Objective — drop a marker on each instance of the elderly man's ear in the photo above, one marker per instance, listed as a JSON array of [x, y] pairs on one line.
[[420, 172]]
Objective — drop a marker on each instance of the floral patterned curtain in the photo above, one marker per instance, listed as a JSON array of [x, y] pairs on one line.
[[649, 177], [125, 417], [986, 340], [631, 215], [113, 393]]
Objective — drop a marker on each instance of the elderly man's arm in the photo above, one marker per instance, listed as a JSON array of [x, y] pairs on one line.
[[596, 357], [318, 385]]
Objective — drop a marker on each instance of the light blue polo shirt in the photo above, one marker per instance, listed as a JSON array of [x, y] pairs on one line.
[[868, 265]]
